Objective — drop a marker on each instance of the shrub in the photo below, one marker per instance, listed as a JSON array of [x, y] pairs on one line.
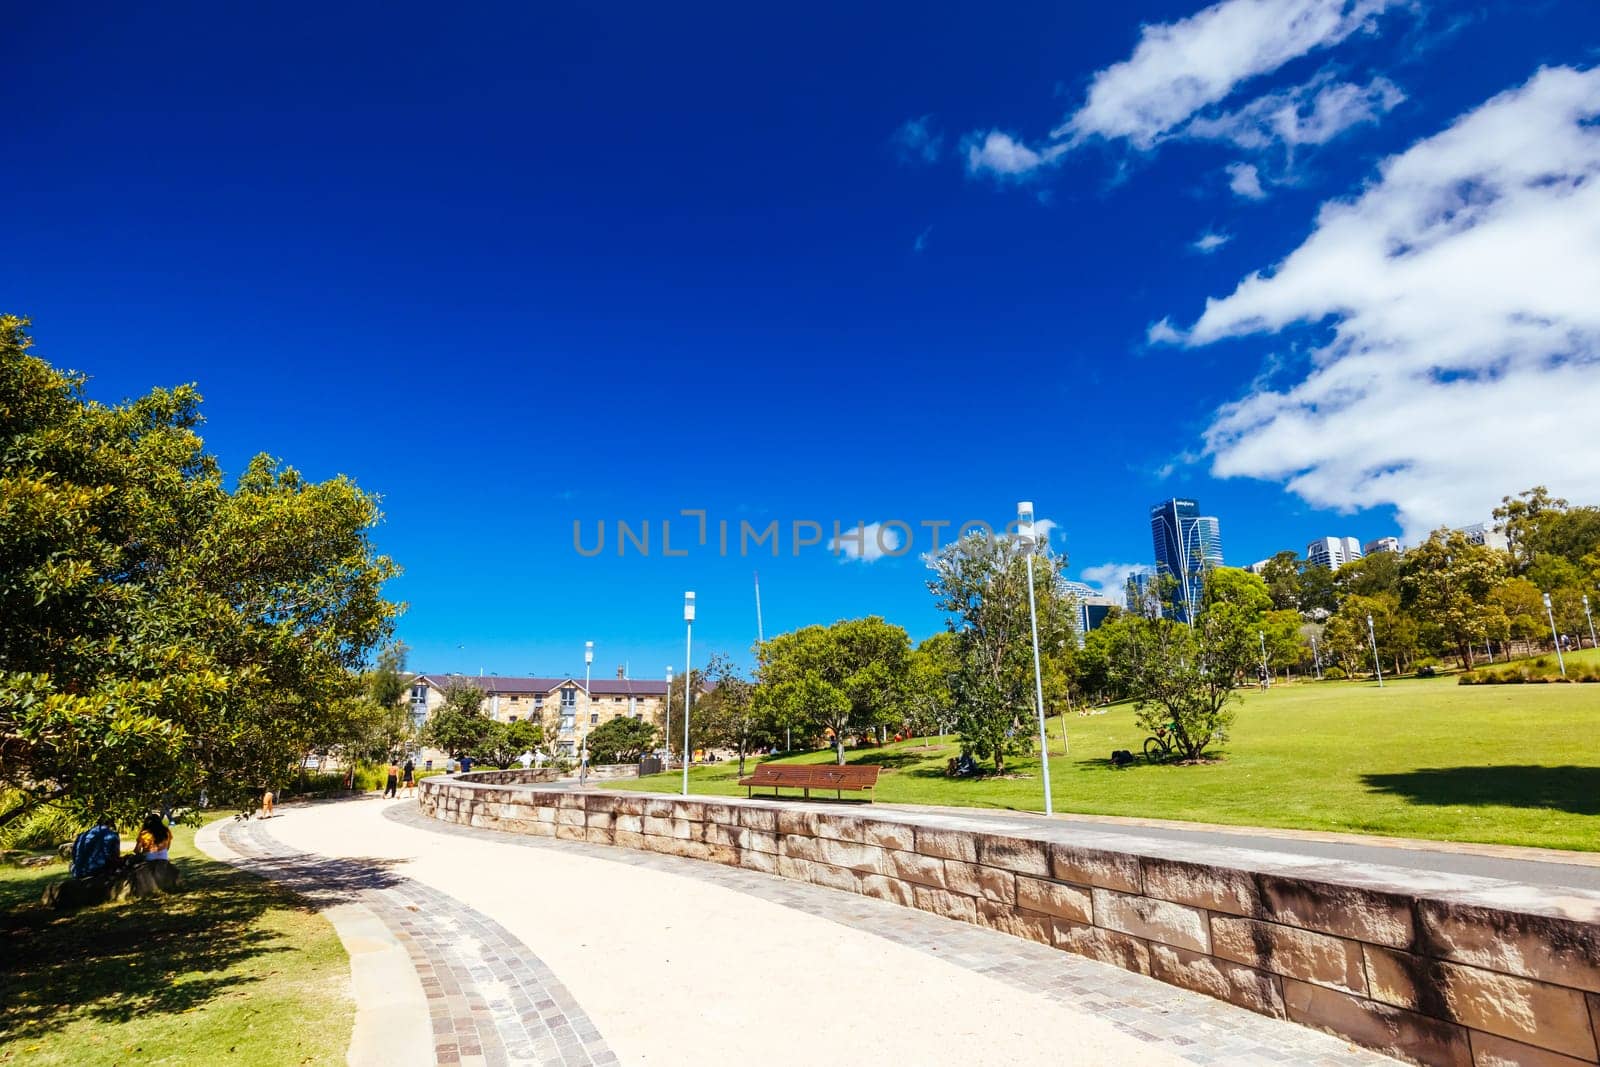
[[1334, 674], [43, 828]]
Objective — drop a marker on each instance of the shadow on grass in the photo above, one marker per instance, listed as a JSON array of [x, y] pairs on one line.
[[1569, 788]]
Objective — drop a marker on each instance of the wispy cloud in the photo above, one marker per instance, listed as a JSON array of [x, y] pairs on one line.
[[1163, 333], [916, 141], [1209, 242], [1004, 156], [867, 544], [921, 243], [1310, 114], [1459, 287], [1111, 579]]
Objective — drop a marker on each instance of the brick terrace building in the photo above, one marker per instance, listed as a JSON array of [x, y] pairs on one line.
[[561, 701]]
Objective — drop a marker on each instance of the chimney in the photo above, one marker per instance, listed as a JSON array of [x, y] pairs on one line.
[[622, 672]]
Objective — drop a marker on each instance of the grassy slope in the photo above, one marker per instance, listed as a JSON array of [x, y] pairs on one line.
[[1418, 758], [230, 970]]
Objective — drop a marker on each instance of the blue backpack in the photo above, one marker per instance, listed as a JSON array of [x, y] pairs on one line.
[[97, 849]]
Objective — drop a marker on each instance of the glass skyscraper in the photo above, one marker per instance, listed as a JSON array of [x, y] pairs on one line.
[[1187, 545]]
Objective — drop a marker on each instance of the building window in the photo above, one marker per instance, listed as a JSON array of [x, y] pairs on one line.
[[569, 698], [419, 692], [616, 700], [513, 718], [567, 723], [538, 702], [594, 718]]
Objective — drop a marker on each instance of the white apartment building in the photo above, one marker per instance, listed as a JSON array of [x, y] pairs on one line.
[[1332, 552], [1382, 544]]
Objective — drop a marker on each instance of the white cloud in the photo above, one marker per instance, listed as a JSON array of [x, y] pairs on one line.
[[1208, 243], [1003, 155], [1460, 290], [1310, 114], [1179, 68], [1245, 181], [1163, 333], [1111, 579], [868, 543], [916, 141]]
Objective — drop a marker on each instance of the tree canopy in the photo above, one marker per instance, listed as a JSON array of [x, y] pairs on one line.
[[162, 635]]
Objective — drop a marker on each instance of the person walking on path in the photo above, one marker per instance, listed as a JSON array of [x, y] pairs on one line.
[[392, 783], [410, 777]]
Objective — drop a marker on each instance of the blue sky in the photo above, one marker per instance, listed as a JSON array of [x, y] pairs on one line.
[[1326, 265]]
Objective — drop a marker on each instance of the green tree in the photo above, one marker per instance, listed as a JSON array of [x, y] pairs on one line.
[[980, 583], [1182, 677], [1282, 578], [863, 660], [734, 718], [1280, 633], [1369, 576], [1319, 595], [930, 681], [621, 740], [1445, 583], [459, 727], [503, 742], [163, 635]]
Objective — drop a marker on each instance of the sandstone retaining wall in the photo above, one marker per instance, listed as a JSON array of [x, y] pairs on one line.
[[1438, 969]]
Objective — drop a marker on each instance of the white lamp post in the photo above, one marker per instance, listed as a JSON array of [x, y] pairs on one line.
[[588, 700], [1316, 657], [1266, 676], [666, 727], [1592, 642], [1027, 537], [688, 679], [1372, 635], [1551, 615]]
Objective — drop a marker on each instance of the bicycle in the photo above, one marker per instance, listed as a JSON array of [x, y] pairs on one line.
[[1158, 746]]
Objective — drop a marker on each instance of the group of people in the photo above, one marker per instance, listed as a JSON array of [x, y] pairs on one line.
[[398, 777], [98, 850]]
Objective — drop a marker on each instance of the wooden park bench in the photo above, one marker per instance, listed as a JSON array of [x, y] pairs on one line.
[[857, 777]]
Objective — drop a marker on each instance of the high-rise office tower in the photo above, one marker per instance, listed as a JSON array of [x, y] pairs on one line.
[[1187, 545]]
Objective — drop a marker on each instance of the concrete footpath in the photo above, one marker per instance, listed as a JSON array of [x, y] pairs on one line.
[[479, 947]]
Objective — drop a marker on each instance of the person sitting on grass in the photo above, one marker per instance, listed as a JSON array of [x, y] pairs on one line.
[[154, 839], [98, 850]]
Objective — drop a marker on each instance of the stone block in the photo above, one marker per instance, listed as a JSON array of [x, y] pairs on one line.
[[627, 838], [1096, 867], [757, 841], [657, 826], [627, 805], [717, 834], [1223, 979], [989, 883], [1152, 919], [598, 835], [890, 835], [633, 824], [1346, 911], [1533, 946], [1289, 950], [1016, 854], [799, 823], [1054, 898], [940, 902], [1008, 920], [602, 802], [885, 888], [823, 874], [1491, 1051], [681, 846], [947, 844], [569, 816], [567, 832], [569, 800], [765, 862], [1594, 1015], [915, 867], [856, 857], [763, 819], [1390, 1030], [1536, 1013], [1107, 946], [726, 855], [659, 807], [711, 811], [542, 829], [599, 820], [800, 847], [1201, 885], [546, 815]]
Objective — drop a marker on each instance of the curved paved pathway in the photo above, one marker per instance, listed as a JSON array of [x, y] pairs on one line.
[[532, 950]]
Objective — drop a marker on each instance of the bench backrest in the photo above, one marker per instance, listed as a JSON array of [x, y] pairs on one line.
[[854, 776]]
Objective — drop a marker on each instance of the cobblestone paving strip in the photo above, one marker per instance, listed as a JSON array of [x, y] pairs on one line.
[[1193, 1027], [491, 1001]]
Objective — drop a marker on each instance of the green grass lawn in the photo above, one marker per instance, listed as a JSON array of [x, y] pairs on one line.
[[1428, 758], [231, 970]]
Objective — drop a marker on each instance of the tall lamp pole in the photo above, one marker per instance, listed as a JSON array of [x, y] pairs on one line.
[[1316, 657], [666, 727], [1028, 538], [588, 700], [1266, 677], [1550, 614], [1372, 635], [688, 679], [1592, 642]]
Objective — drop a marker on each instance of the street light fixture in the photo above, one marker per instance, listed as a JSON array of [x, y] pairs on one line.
[[583, 729], [1028, 538], [1550, 614], [688, 679], [1372, 635], [666, 728]]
